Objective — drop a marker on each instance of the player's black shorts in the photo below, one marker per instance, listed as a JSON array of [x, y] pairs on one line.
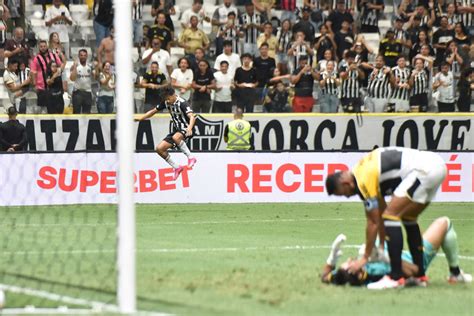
[[169, 137]]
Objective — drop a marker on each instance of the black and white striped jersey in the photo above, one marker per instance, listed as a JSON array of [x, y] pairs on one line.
[[179, 111], [300, 50], [250, 34], [350, 87], [330, 86], [284, 39], [137, 10], [467, 18], [401, 35], [379, 84], [371, 16], [420, 83], [232, 35], [348, 4], [402, 75]]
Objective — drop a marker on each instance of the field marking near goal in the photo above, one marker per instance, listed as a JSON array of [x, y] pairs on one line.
[[193, 250], [256, 221]]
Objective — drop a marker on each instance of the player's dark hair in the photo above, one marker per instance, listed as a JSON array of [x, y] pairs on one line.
[[332, 181], [166, 92], [341, 277]]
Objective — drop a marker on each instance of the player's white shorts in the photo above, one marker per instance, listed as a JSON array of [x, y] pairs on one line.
[[420, 185]]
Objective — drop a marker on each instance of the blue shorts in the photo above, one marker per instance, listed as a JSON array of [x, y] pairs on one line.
[[429, 253]]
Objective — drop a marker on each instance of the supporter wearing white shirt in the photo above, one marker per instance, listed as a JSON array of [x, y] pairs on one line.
[[197, 11], [82, 73], [443, 83], [232, 58], [224, 85], [161, 56], [182, 78], [57, 18]]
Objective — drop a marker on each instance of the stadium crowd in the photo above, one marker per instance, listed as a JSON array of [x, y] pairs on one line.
[[257, 55]]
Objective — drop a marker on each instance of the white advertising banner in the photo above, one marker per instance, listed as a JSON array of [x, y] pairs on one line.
[[311, 131], [228, 177]]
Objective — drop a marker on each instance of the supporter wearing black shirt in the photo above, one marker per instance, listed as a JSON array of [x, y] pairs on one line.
[[441, 38], [304, 25], [339, 15], [160, 30], [245, 80], [344, 39], [390, 48], [12, 133], [324, 42], [104, 18], [264, 66], [55, 89], [203, 83], [370, 15], [153, 81], [303, 78]]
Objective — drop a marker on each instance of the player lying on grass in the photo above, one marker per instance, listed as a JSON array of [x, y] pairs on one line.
[[183, 120], [441, 233], [411, 177]]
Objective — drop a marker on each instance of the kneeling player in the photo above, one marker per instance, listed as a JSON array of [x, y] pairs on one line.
[[183, 121], [440, 234]]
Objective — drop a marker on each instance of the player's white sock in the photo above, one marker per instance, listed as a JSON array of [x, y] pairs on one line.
[[184, 148], [336, 251], [171, 162]]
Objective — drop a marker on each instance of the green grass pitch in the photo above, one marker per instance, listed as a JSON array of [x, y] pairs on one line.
[[218, 259]]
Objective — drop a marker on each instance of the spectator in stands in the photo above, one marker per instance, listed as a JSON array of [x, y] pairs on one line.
[[303, 78], [16, 12], [344, 38], [378, 90], [197, 11], [192, 37], [162, 31], [106, 50], [167, 8], [443, 83], [3, 30], [219, 18], [440, 40], [304, 25], [230, 32], [284, 38], [390, 48], [328, 57], [278, 99], [251, 24], [238, 134], [56, 47], [289, 10], [39, 69], [413, 29], [264, 7], [338, 16], [466, 10], [203, 83], [421, 40], [232, 58], [465, 87], [460, 34], [153, 81], [17, 47], [351, 74], [161, 56], [278, 76], [199, 54], [452, 15], [137, 22], [55, 89], [268, 37], [400, 94], [264, 65], [427, 17], [419, 83], [329, 83], [369, 17], [145, 40], [324, 42], [299, 48], [82, 73], [361, 59], [13, 135], [245, 81], [57, 18], [14, 87], [182, 79], [105, 98], [455, 61], [103, 19], [400, 34], [224, 87]]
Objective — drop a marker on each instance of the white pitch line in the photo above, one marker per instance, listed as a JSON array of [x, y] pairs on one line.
[[193, 250], [282, 220]]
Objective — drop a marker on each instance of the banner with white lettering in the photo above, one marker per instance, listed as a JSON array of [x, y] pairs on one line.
[[226, 177], [271, 132]]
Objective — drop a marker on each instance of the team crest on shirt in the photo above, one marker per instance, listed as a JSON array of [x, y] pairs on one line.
[[207, 135]]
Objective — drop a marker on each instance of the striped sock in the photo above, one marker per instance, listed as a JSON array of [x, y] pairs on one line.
[[171, 162]]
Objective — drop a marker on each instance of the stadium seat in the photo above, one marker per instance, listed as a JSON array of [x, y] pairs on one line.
[[135, 54], [384, 25], [373, 40], [79, 12], [147, 13]]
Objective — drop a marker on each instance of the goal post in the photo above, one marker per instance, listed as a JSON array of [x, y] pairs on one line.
[[126, 283]]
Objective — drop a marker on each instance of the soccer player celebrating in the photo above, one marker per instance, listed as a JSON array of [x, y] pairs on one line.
[[412, 178], [183, 121], [440, 234]]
